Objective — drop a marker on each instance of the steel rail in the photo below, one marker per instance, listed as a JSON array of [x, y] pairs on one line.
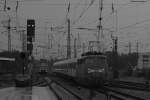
[[73, 94], [55, 93], [129, 85], [109, 91]]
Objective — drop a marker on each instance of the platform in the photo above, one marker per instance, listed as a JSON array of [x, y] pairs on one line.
[[132, 79], [34, 93]]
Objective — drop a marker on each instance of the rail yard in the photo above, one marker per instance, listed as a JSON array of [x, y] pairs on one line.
[[50, 87], [74, 50]]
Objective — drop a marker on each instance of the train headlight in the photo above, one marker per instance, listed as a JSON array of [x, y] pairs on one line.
[[101, 70], [95, 70], [91, 70]]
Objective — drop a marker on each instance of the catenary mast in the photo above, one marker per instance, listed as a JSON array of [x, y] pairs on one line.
[[100, 30]]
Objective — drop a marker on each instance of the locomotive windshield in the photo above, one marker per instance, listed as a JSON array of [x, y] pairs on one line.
[[96, 61]]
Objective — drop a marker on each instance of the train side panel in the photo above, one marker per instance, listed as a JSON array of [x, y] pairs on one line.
[[66, 69], [81, 71], [88, 70]]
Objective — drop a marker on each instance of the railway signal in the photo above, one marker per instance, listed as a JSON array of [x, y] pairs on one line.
[[22, 55], [30, 34], [31, 27], [30, 37]]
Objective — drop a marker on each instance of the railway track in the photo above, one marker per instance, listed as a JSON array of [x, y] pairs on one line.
[[40, 82], [55, 85], [129, 85], [109, 92], [117, 94]]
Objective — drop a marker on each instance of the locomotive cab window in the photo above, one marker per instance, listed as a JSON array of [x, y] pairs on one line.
[[96, 60], [80, 61]]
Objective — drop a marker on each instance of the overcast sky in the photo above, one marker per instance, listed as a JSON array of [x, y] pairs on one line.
[[132, 21]]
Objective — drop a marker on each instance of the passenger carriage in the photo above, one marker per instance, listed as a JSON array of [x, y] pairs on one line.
[[66, 67]]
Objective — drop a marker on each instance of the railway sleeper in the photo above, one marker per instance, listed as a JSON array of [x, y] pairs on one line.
[[54, 86], [118, 95]]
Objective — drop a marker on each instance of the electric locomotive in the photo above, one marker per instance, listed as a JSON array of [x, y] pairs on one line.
[[90, 69]]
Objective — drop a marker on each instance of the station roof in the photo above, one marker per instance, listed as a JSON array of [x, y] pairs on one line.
[[68, 61], [6, 59]]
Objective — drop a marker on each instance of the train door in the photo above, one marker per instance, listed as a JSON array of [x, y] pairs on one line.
[[80, 70], [73, 69]]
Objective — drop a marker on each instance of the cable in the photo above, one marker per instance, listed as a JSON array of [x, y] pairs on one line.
[[68, 11], [123, 5], [77, 5], [105, 16], [131, 25], [94, 21], [66, 17], [83, 12]]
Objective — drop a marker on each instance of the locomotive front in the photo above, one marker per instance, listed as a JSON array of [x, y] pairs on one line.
[[96, 69]]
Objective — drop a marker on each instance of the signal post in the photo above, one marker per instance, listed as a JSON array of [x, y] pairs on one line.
[[30, 38]]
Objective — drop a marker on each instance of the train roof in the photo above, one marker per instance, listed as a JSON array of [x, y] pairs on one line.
[[74, 60], [68, 61], [90, 53], [6, 59]]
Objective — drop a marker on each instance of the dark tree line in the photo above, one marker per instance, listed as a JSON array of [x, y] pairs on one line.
[[124, 61]]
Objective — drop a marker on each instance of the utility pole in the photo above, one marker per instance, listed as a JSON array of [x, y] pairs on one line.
[[129, 47], [115, 44], [24, 42], [83, 47], [5, 5], [100, 19], [48, 41], [17, 21], [100, 31], [137, 47], [9, 35], [59, 49], [51, 39], [79, 42], [75, 48], [51, 44], [68, 41], [115, 57], [8, 27], [43, 53]]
